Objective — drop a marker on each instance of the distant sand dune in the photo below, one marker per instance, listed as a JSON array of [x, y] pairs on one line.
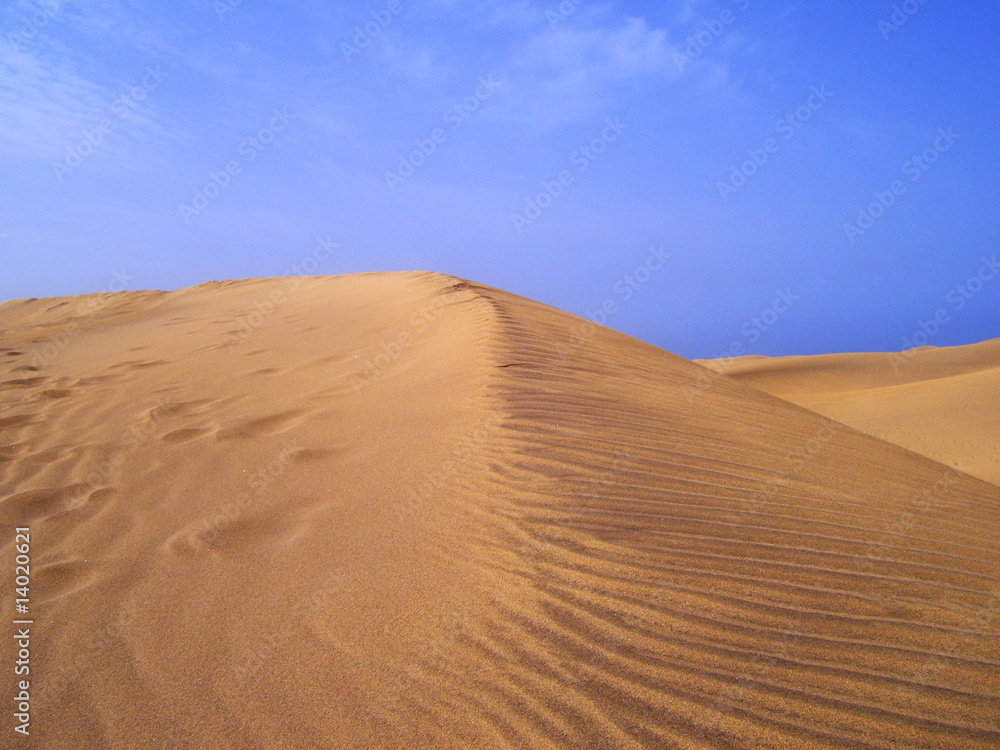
[[942, 403], [397, 511]]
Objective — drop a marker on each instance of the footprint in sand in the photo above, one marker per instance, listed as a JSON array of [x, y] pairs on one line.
[[55, 393], [17, 420], [22, 382], [181, 408], [61, 578], [304, 455], [97, 379], [233, 528], [185, 435], [137, 364], [50, 455], [269, 425], [10, 452], [32, 506]]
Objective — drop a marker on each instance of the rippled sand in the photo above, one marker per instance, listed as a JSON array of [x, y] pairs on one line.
[[408, 511]]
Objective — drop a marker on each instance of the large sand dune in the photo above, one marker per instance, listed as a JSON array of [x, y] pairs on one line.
[[941, 402], [406, 511]]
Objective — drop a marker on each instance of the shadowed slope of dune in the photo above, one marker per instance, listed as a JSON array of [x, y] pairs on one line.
[[404, 511], [941, 402]]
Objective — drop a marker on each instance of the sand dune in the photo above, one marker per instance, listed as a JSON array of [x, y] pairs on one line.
[[941, 402], [409, 511]]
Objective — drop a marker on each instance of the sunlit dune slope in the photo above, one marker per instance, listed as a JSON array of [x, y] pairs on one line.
[[408, 511], [941, 402]]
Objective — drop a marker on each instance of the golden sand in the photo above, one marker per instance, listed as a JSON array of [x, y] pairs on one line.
[[397, 511], [941, 402]]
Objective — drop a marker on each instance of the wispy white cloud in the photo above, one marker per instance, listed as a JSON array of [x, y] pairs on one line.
[[569, 62], [45, 102], [53, 109], [414, 61], [567, 73], [54, 96]]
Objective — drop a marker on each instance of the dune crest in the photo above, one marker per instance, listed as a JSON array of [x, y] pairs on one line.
[[402, 511]]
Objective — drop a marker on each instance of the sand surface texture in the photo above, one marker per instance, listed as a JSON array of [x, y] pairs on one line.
[[407, 511], [941, 402]]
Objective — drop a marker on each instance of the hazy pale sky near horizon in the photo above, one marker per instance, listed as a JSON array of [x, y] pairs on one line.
[[813, 176]]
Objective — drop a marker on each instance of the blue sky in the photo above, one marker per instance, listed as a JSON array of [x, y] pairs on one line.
[[813, 176]]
